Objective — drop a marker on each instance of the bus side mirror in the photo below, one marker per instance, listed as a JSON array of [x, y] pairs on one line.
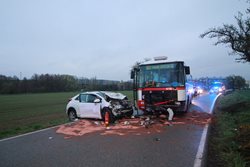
[[132, 74], [187, 70]]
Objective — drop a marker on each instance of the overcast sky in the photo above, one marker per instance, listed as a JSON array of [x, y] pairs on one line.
[[104, 38]]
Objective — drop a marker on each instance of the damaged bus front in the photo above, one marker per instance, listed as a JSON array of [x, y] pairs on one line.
[[159, 85]]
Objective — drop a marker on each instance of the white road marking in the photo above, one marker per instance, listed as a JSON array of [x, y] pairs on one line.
[[200, 153], [212, 106], [30, 133]]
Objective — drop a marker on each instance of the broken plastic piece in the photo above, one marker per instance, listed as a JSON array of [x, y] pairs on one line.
[[170, 114], [142, 123], [157, 139], [126, 123]]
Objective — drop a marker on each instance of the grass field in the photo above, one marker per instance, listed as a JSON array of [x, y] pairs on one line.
[[230, 135], [29, 112]]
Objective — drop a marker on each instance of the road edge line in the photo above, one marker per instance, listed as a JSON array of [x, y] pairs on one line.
[[30, 133], [201, 153]]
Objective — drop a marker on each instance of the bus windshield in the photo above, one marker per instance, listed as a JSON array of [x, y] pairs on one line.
[[162, 75]]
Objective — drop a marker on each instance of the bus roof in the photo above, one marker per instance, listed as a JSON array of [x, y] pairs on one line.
[[159, 62]]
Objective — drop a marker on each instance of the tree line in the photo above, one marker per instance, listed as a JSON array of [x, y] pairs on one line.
[[236, 82], [230, 82], [63, 83], [57, 83]]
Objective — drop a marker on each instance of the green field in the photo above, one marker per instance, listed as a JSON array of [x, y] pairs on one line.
[[29, 112]]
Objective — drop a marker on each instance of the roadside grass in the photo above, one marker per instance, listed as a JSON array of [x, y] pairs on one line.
[[25, 113], [229, 143]]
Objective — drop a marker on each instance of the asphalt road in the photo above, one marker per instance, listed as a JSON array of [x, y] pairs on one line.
[[176, 146], [204, 103]]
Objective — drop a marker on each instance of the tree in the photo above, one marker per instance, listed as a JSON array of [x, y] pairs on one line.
[[237, 37], [235, 82]]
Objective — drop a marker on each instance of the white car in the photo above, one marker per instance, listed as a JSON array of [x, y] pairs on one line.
[[96, 104]]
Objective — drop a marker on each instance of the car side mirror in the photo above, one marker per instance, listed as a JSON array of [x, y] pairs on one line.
[[97, 101]]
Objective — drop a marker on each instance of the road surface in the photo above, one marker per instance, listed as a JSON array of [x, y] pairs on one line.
[[175, 146]]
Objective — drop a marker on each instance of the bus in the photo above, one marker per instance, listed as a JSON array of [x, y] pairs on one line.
[[159, 84]]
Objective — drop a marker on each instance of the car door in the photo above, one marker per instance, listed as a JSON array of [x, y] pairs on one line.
[[88, 108]]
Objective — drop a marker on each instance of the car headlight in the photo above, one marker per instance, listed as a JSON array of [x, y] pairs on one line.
[[199, 90]]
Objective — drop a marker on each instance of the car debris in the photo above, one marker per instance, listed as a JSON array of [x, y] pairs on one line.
[[147, 119], [170, 114], [157, 139], [146, 122], [142, 125], [97, 123], [126, 123]]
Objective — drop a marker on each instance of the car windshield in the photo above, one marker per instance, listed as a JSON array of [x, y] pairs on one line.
[[162, 75], [102, 95]]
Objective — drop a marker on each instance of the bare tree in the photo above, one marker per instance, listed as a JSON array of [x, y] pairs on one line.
[[235, 36]]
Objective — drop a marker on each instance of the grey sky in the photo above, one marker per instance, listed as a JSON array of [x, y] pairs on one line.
[[104, 38]]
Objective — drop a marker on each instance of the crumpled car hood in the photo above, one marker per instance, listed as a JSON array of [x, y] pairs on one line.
[[114, 95]]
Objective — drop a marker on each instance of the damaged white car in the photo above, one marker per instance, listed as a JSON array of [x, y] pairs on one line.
[[96, 104]]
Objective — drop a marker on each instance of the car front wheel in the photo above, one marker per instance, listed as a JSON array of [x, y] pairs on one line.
[[72, 115]]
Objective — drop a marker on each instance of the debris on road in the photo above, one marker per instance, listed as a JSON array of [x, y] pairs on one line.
[[157, 139], [170, 114], [96, 123], [126, 123], [136, 126]]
